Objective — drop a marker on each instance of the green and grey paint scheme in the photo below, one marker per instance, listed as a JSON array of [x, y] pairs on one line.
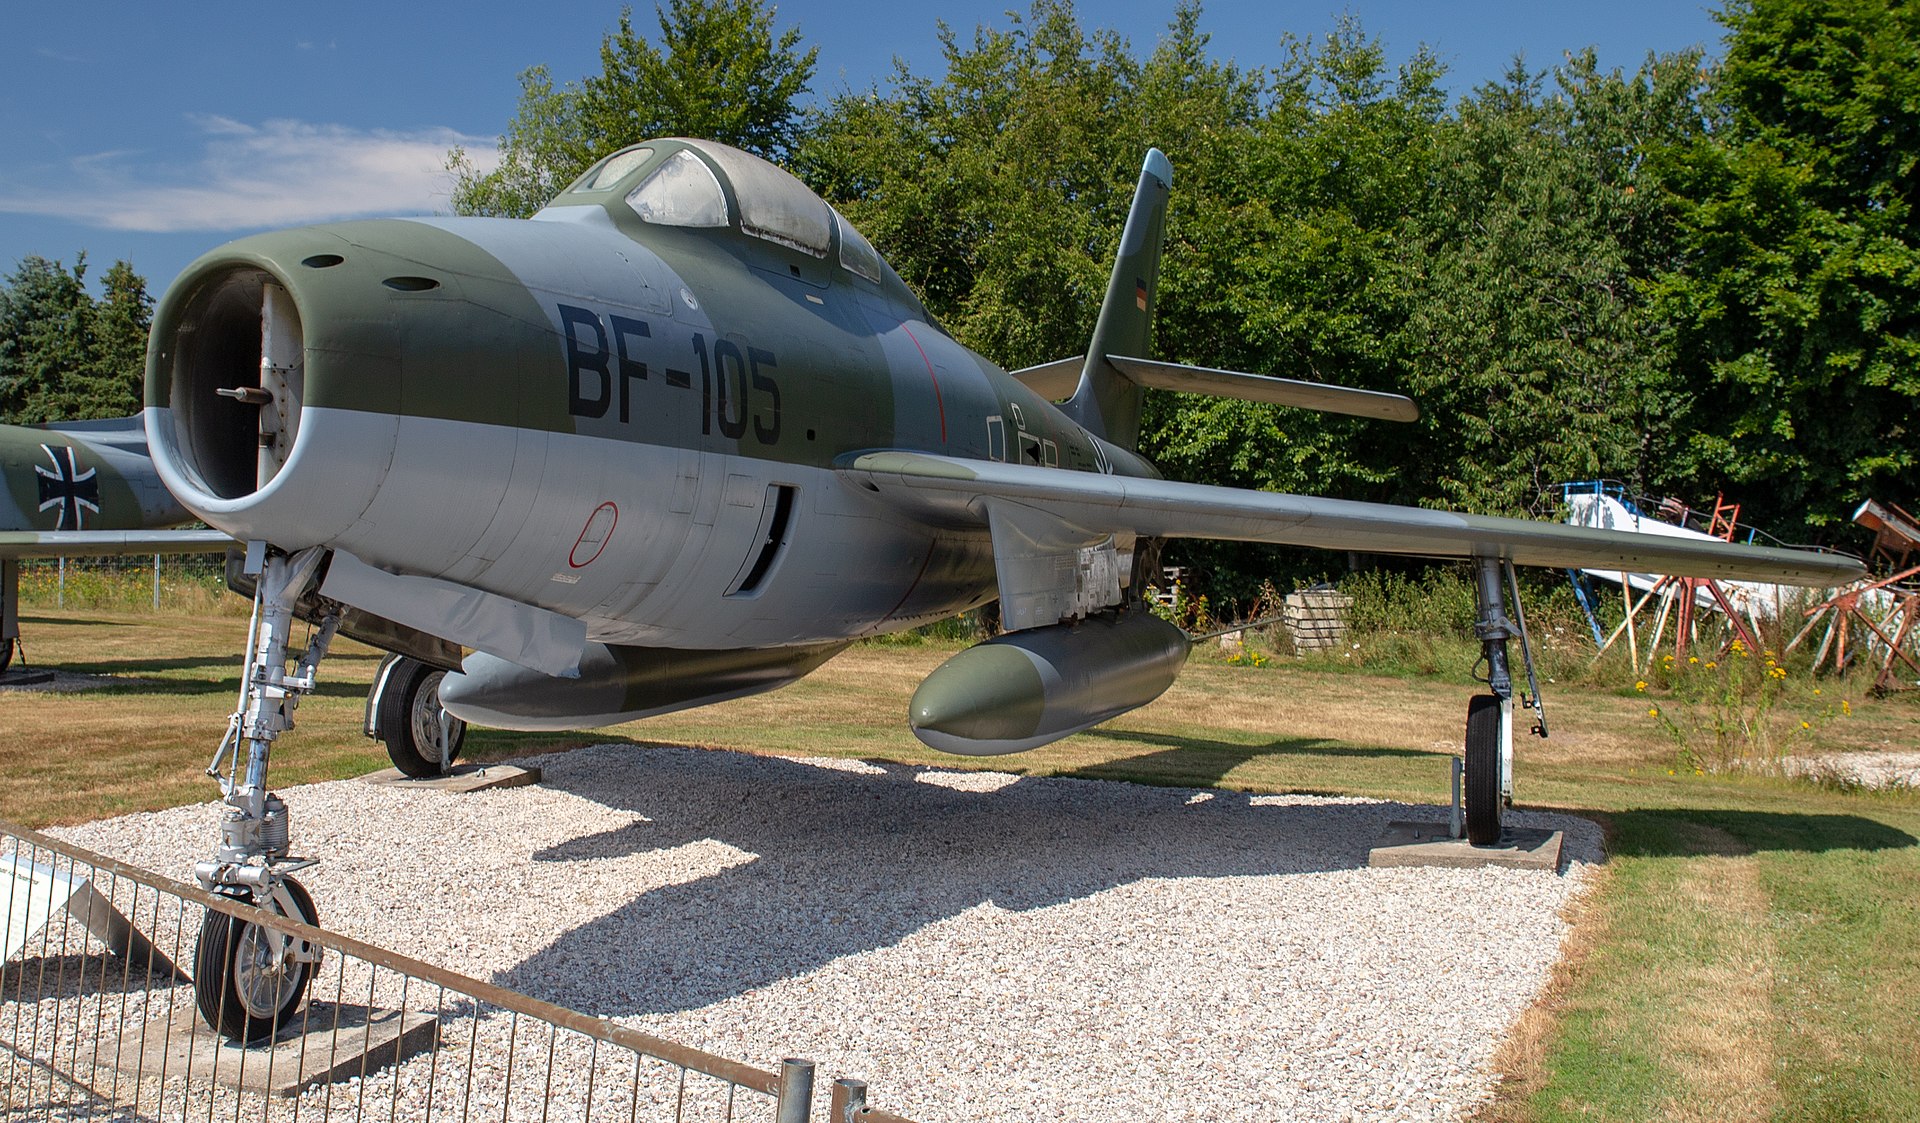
[[652, 449], [83, 489]]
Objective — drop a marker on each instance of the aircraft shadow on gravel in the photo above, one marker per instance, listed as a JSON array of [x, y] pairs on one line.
[[849, 863], [1199, 762]]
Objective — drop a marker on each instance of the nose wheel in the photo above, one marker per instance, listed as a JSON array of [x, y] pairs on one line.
[[248, 978]]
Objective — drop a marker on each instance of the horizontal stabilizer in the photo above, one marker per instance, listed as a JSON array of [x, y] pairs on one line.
[[1054, 381], [1057, 379], [1266, 388]]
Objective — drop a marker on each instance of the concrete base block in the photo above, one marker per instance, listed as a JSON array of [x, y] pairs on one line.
[[309, 1052], [1427, 844], [463, 778]]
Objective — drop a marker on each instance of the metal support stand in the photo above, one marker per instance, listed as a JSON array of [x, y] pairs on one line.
[[1456, 825], [795, 1103], [849, 1103]]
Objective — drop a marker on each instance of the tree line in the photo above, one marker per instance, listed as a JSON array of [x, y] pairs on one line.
[[1696, 277], [66, 355]]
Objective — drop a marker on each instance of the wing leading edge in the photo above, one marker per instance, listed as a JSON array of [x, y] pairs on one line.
[[109, 543], [956, 491]]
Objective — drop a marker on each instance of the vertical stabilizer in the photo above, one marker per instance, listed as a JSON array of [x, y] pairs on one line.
[[1107, 402]]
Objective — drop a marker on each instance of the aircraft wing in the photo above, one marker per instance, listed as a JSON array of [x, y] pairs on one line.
[[108, 543], [963, 492]]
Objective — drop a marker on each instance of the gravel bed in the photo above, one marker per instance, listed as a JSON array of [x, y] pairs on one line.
[[1867, 769], [974, 945]]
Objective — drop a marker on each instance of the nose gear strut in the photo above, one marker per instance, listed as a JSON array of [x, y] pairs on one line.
[[251, 977]]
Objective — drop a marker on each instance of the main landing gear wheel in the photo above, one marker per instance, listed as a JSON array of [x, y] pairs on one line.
[[6, 654], [410, 717], [1483, 770], [240, 989]]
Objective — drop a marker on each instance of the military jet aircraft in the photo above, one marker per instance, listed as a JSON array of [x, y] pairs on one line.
[[83, 489], [682, 437]]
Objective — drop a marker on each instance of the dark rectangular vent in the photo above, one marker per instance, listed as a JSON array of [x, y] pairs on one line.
[[773, 539]]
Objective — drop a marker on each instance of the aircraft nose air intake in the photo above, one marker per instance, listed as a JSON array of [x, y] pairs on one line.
[[237, 375], [237, 357]]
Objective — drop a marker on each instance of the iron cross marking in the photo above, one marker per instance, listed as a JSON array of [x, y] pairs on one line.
[[67, 488]]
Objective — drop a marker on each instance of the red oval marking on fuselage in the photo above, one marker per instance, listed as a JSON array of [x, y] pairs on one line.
[[612, 520]]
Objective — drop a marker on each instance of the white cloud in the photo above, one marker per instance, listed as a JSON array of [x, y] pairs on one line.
[[277, 173]]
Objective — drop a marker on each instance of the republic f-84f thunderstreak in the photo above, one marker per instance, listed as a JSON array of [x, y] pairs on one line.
[[682, 437]]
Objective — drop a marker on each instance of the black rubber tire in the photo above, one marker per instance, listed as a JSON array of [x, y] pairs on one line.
[[1483, 770], [6, 654], [412, 694], [218, 962]]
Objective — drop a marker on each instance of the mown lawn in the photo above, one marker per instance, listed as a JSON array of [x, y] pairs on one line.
[[1750, 951]]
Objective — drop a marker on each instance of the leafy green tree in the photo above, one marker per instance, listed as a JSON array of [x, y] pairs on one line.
[[998, 191], [542, 151], [719, 71], [1528, 338], [1795, 308], [1292, 270]]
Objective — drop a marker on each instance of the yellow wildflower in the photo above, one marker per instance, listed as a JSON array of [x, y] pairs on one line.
[[1846, 707], [1711, 664], [1693, 659], [1641, 685], [1806, 725], [1653, 711]]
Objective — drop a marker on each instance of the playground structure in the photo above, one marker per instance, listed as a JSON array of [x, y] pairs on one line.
[[1874, 619], [1884, 607]]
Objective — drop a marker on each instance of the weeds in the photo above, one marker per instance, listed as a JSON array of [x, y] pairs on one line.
[[1734, 710], [192, 584]]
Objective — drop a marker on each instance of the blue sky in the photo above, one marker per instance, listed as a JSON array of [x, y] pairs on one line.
[[153, 132]]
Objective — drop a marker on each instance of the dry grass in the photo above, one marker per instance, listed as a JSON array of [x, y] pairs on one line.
[[1720, 1032], [1527, 1050]]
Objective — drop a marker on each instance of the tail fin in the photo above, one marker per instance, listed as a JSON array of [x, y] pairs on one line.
[[1106, 402]]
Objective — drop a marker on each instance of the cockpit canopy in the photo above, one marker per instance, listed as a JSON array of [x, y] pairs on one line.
[[702, 183]]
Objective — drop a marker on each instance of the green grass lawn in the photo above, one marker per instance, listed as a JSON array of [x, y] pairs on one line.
[[1751, 949]]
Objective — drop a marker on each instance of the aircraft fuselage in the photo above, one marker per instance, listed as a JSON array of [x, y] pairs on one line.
[[628, 424]]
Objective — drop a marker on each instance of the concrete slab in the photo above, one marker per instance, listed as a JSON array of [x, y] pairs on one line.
[[1427, 844], [463, 778], [306, 1053]]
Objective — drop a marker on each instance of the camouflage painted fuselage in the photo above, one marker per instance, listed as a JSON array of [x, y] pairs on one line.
[[626, 423], [93, 475]]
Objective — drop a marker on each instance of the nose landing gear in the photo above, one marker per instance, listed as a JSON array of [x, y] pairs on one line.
[[249, 978]]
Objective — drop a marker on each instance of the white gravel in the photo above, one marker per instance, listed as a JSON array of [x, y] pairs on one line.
[[1867, 769], [974, 945]]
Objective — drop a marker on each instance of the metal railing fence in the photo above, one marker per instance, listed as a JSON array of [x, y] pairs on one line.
[[98, 1021]]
